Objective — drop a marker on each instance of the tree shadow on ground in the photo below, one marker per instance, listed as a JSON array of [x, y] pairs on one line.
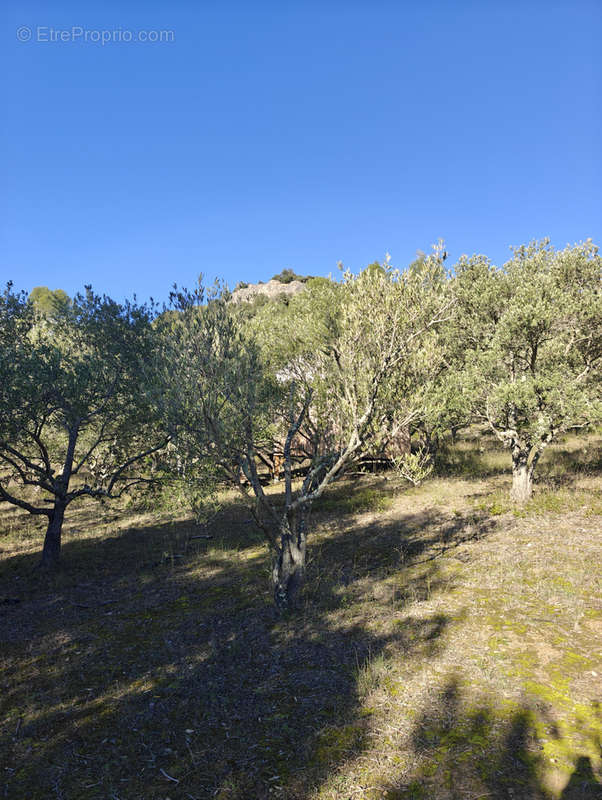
[[129, 676], [561, 466], [122, 550], [473, 464], [582, 783], [565, 467], [476, 750]]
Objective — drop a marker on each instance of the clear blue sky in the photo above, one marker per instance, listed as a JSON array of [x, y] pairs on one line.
[[276, 134]]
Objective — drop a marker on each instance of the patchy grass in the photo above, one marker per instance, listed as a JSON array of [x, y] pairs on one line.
[[448, 647], [340, 500]]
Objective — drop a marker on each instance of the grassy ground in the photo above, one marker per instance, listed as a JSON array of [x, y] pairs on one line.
[[449, 647]]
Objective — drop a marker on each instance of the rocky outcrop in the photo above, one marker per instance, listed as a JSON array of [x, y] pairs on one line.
[[271, 289]]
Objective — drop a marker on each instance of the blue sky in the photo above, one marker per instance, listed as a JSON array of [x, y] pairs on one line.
[[273, 134]]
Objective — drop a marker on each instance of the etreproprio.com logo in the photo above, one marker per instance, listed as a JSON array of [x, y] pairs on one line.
[[79, 34]]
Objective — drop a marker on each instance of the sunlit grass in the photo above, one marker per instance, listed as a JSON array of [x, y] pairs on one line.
[[449, 645]]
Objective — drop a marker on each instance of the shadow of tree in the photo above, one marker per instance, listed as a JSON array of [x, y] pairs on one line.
[[466, 750], [126, 672], [582, 784], [123, 549], [471, 463], [154, 665], [481, 456]]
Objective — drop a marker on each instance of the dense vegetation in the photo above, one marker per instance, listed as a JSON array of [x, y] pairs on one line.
[[340, 373], [75, 403]]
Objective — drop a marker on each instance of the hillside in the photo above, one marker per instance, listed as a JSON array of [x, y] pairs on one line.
[[448, 647]]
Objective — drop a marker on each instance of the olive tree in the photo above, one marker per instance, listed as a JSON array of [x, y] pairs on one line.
[[76, 405], [351, 354], [529, 338]]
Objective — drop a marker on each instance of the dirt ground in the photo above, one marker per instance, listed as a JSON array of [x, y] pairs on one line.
[[449, 646]]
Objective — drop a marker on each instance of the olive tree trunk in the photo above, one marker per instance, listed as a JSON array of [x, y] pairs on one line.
[[522, 483], [523, 467], [52, 541], [288, 566]]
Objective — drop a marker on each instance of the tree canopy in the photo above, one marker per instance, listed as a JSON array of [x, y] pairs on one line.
[[334, 367], [289, 275], [48, 301], [90, 389], [76, 403], [529, 342]]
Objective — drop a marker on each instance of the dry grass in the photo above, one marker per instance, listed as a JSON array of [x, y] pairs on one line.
[[449, 647]]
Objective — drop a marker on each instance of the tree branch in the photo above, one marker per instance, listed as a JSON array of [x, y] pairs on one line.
[[15, 501], [293, 429]]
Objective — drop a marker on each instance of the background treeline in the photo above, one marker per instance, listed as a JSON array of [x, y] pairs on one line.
[[98, 398]]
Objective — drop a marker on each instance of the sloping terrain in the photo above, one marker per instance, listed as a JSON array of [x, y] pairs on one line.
[[449, 647]]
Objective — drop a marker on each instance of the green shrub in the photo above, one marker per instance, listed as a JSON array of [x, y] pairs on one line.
[[287, 276]]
